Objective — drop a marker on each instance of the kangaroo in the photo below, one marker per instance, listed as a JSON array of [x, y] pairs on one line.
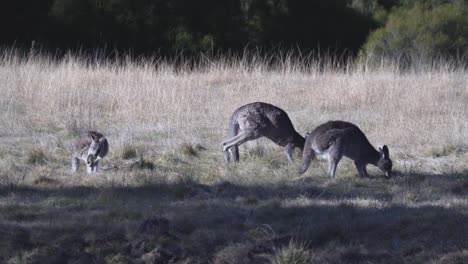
[[335, 139], [89, 147], [256, 120]]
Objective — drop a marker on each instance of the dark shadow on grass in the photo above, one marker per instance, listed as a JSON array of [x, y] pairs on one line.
[[208, 218]]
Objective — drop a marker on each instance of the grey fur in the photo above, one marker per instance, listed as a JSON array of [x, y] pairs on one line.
[[89, 147], [335, 139], [256, 120]]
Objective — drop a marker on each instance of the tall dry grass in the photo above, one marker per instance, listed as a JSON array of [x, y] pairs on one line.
[[155, 113], [410, 111]]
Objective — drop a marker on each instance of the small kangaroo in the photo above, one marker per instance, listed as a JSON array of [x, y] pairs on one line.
[[335, 139], [89, 147], [256, 120]]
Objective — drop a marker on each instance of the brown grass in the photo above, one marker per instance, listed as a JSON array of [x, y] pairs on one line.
[[149, 112]]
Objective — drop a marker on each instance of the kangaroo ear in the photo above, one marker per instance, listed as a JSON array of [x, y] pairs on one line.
[[386, 152], [102, 139], [96, 137], [381, 152]]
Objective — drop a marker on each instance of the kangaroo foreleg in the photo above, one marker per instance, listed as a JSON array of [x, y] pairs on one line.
[[75, 164], [288, 150], [332, 164], [361, 168], [95, 166]]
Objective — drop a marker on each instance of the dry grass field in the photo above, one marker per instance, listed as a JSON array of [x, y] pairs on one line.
[[165, 125]]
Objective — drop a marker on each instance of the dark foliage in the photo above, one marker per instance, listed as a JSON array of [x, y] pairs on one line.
[[172, 26]]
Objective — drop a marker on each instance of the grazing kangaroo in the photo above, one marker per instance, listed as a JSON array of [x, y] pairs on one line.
[[256, 120], [89, 147], [335, 139]]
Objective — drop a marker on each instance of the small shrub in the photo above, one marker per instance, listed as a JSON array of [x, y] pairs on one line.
[[45, 180], [142, 164], [420, 32], [36, 157], [129, 152], [145, 164], [199, 147], [189, 150], [294, 253]]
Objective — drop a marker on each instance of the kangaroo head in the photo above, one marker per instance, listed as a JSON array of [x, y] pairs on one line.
[[385, 163], [96, 140]]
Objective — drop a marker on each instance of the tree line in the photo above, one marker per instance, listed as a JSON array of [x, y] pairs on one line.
[[384, 27]]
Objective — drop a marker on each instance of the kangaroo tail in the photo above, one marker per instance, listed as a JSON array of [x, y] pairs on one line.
[[232, 153], [307, 155], [233, 131]]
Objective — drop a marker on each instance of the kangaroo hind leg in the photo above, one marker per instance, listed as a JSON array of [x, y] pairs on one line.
[[232, 153], [234, 138], [243, 137], [335, 153]]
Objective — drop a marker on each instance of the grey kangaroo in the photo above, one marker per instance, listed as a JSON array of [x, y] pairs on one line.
[[335, 139], [256, 120], [89, 147]]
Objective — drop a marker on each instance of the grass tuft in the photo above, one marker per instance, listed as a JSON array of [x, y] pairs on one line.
[[258, 151], [444, 151], [294, 253], [36, 156], [45, 180], [129, 152], [144, 164], [454, 257], [232, 254], [188, 150]]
